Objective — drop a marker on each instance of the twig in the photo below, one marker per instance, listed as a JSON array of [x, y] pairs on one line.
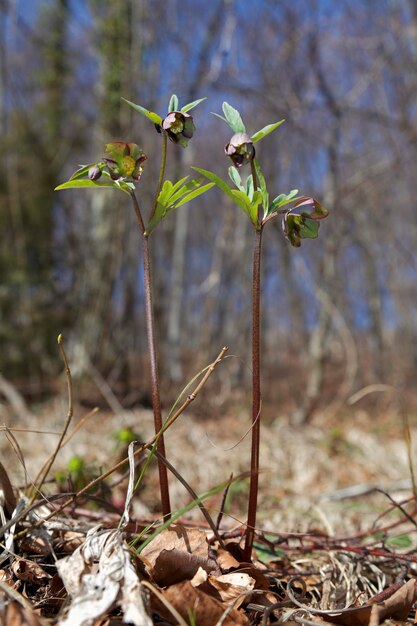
[[223, 503], [17, 597], [397, 505], [192, 396], [121, 463], [51, 460], [193, 495]]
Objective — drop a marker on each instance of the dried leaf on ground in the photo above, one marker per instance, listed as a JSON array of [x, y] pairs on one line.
[[29, 572], [176, 554], [100, 576], [232, 586], [205, 609]]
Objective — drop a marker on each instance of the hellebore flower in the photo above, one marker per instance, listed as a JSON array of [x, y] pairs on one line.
[[179, 127], [240, 149], [124, 161]]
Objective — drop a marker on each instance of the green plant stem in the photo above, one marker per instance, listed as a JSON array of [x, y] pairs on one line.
[[256, 384], [153, 367], [161, 173]]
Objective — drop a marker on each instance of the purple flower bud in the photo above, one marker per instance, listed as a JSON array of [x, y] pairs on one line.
[[179, 127], [94, 172], [240, 149]]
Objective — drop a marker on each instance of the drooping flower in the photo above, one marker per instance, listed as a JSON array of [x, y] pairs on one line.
[[179, 127], [124, 160], [240, 149]]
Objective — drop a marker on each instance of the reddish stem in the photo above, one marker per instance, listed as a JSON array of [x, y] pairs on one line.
[[153, 366], [256, 395]]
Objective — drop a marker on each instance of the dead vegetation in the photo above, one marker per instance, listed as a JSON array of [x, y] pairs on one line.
[[332, 546]]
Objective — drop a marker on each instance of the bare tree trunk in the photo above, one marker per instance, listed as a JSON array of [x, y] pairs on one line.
[[208, 69]]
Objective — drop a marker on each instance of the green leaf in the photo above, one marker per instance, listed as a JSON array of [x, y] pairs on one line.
[[220, 117], [249, 207], [173, 196], [233, 118], [249, 187], [298, 227], [235, 177], [262, 185], [87, 184], [173, 103], [191, 105], [178, 184], [192, 184], [153, 117], [309, 229], [197, 192], [402, 542], [282, 200], [224, 187], [165, 192], [238, 196], [254, 210], [266, 130]]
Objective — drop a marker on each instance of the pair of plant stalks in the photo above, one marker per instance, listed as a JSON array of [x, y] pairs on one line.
[[121, 168]]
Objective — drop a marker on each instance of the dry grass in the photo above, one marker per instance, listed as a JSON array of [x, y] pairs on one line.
[[303, 468]]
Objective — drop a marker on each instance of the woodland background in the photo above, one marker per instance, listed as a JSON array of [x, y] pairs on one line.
[[339, 313]]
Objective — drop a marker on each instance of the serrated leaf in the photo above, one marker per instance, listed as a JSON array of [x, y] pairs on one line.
[[235, 177], [238, 196], [173, 196], [192, 184], [178, 184], [194, 194], [266, 130], [233, 118], [153, 117], [173, 103], [224, 187], [88, 184], [191, 105]]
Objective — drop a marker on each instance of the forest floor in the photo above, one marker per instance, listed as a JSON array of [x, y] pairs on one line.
[[326, 490]]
